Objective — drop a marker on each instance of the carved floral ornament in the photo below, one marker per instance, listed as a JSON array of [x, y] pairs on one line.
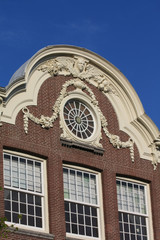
[[78, 67], [47, 122], [155, 146]]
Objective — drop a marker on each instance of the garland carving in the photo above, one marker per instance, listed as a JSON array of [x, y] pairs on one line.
[[47, 122]]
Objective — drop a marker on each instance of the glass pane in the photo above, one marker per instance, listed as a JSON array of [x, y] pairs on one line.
[[30, 210], [25, 174], [22, 197], [38, 222], [30, 198], [15, 218], [131, 197], [80, 219], [88, 231], [95, 232], [38, 211], [8, 216], [67, 217], [24, 219], [66, 206], [22, 173], [73, 207], [67, 227], [7, 205], [30, 221], [74, 229], [88, 220], [22, 208], [81, 230], [133, 228], [73, 218], [94, 222], [15, 207], [14, 195], [38, 200], [81, 187], [6, 194]]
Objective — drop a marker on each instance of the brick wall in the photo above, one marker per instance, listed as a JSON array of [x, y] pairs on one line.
[[46, 143]]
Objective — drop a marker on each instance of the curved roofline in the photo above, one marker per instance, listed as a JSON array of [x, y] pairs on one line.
[[20, 72], [128, 107]]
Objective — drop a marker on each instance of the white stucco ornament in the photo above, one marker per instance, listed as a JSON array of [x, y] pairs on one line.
[[1, 109], [78, 67], [91, 69], [155, 146], [47, 122]]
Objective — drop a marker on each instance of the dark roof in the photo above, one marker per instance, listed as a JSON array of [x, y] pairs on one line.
[[20, 73]]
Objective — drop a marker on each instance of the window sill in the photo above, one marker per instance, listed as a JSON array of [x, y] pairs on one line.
[[31, 233]]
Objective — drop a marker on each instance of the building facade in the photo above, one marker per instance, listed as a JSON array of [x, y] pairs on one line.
[[79, 158]]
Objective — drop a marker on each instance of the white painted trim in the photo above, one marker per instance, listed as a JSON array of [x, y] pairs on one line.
[[99, 205], [131, 116], [95, 137], [44, 194], [148, 205]]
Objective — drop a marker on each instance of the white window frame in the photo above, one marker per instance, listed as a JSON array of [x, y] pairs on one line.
[[85, 99], [99, 206], [44, 194], [148, 215]]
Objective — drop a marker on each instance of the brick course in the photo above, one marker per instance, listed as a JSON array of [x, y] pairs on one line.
[[46, 144]]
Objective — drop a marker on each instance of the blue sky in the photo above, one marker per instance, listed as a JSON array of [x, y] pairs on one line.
[[126, 33]]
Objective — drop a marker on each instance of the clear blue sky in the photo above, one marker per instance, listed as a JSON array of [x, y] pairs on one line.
[[126, 33]]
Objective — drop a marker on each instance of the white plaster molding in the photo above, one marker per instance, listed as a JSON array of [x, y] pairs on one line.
[[129, 110], [80, 68], [155, 146], [92, 104], [47, 122], [1, 109]]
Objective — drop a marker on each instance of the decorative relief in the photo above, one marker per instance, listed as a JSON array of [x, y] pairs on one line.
[[1, 109], [78, 67], [47, 122], [156, 152], [157, 143]]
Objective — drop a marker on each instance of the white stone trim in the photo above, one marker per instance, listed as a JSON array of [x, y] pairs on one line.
[[95, 138], [47, 122], [125, 102]]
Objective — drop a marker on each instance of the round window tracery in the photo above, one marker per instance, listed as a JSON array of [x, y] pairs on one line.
[[79, 118]]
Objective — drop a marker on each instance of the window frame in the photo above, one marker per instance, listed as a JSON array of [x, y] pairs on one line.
[[99, 206], [148, 215], [86, 100], [44, 194]]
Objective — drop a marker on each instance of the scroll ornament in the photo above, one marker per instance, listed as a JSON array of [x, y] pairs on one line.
[[47, 122]]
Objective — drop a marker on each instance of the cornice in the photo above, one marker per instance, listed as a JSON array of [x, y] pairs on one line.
[[126, 103]]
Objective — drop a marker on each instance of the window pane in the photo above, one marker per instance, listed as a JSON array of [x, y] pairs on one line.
[[79, 186], [38, 222], [21, 174], [81, 217], [7, 205], [131, 200], [6, 194], [8, 216]]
